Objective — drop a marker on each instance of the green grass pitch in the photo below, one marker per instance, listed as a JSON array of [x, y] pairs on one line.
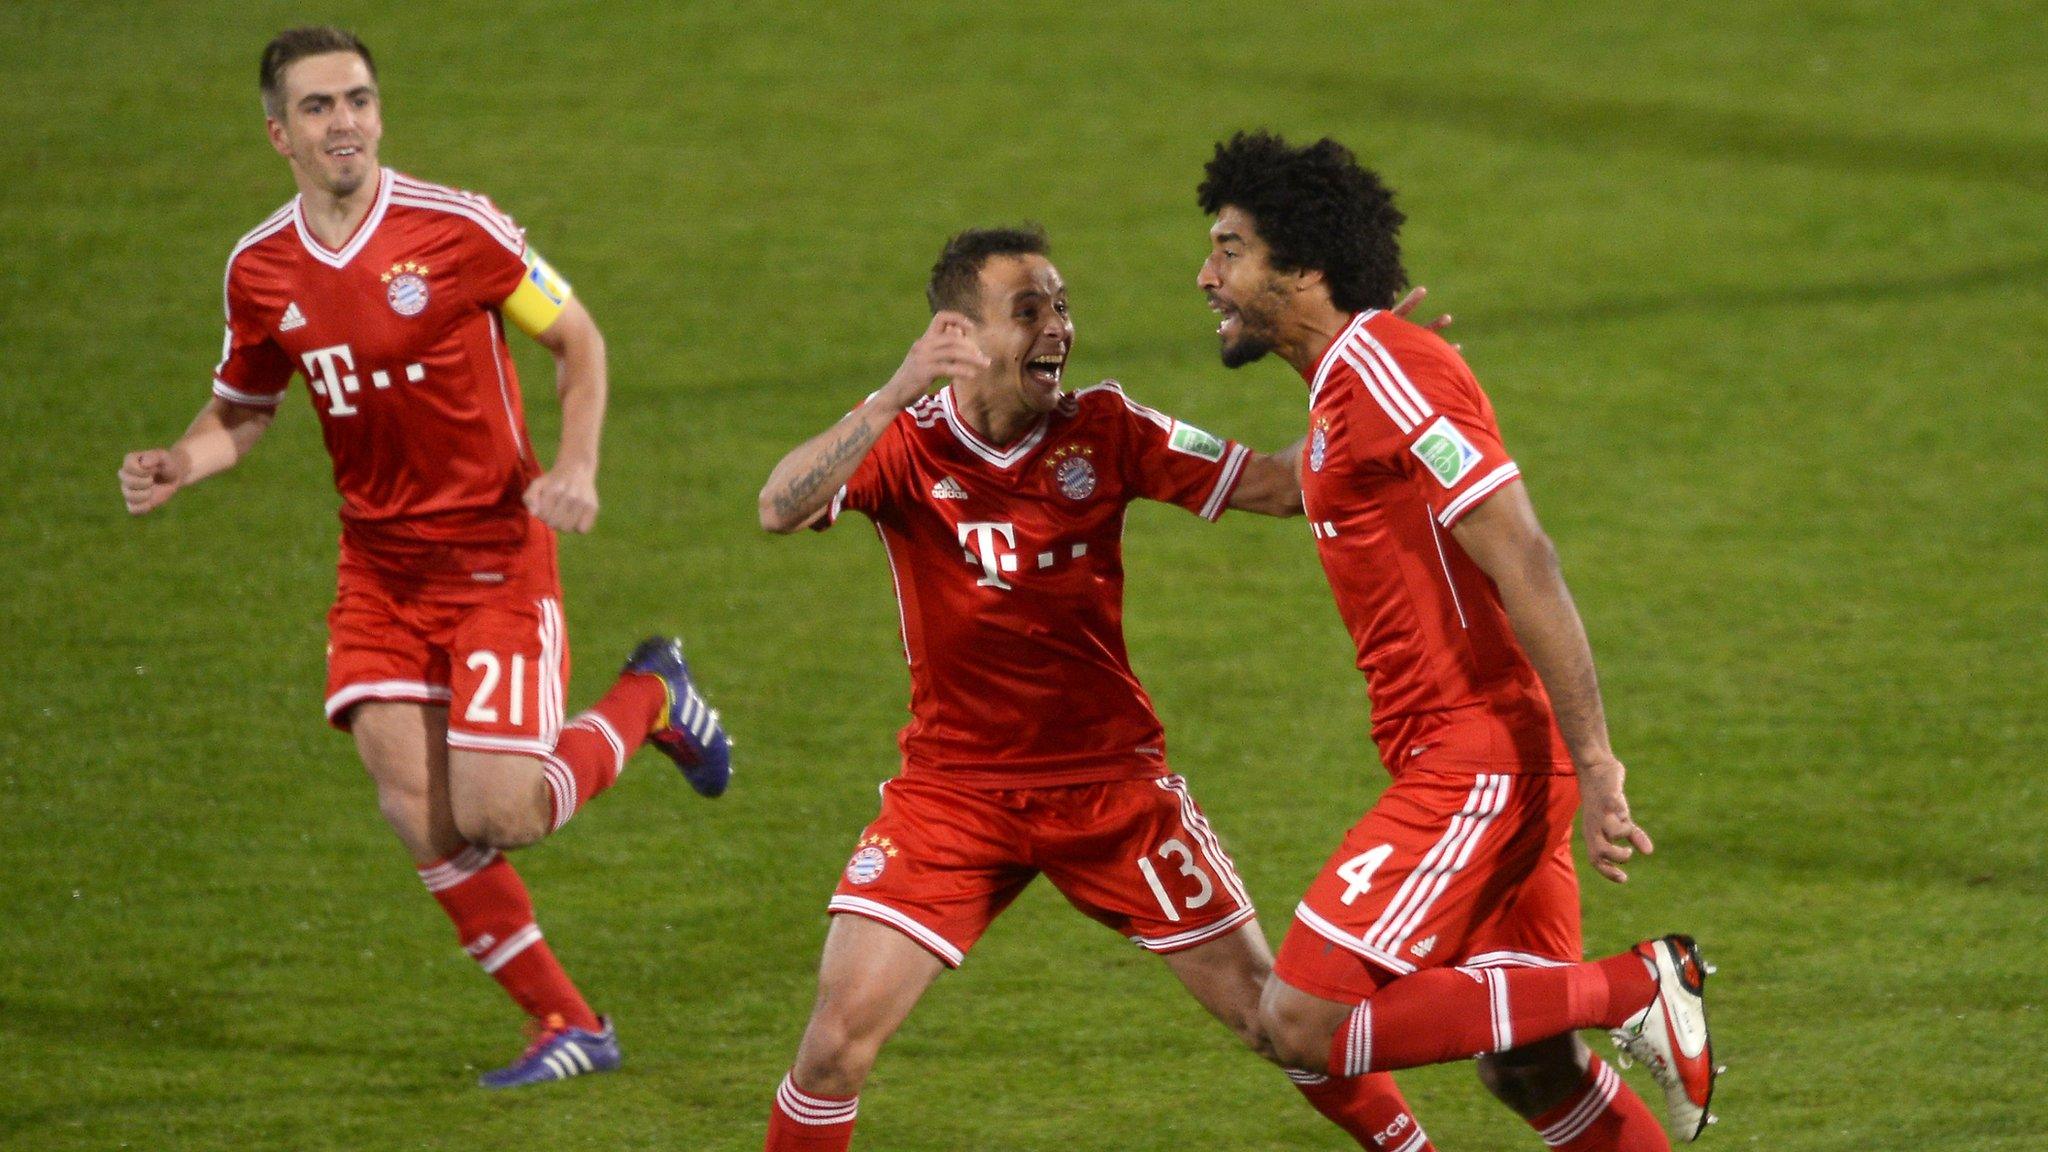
[[1757, 289]]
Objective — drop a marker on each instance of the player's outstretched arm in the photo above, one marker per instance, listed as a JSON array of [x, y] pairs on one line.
[[565, 498], [1504, 538], [801, 486], [219, 437], [1271, 483]]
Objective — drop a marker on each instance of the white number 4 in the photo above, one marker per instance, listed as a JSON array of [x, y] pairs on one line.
[[481, 710], [1357, 871]]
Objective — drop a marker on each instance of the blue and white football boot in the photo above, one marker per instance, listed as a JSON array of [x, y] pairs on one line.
[[690, 733], [557, 1053]]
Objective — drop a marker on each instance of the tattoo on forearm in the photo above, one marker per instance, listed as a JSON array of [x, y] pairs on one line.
[[799, 493]]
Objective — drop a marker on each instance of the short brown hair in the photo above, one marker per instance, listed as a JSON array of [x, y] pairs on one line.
[[956, 278], [295, 44]]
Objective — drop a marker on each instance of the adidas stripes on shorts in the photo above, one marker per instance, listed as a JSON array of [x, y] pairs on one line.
[[1446, 868]]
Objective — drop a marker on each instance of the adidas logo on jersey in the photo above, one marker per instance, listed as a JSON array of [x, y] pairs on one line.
[[293, 318], [948, 489], [1422, 947]]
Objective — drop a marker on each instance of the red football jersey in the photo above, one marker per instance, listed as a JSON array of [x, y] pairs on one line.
[[1402, 444], [400, 339], [1008, 564]]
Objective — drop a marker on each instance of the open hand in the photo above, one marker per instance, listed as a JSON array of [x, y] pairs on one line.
[[946, 351], [1612, 835]]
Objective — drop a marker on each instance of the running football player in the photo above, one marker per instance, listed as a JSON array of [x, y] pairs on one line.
[[447, 656]]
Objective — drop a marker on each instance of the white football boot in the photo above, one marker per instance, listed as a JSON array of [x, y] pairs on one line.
[[1669, 1038]]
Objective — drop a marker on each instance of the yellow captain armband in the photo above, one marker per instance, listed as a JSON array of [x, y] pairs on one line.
[[539, 299]]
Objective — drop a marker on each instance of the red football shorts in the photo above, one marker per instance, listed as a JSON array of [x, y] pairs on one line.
[[498, 666], [1447, 868], [942, 860]]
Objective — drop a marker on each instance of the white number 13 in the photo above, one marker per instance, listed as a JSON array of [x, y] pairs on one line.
[[1168, 851]]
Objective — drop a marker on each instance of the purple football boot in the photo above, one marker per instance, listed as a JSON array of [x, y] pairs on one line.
[[690, 733], [557, 1053]]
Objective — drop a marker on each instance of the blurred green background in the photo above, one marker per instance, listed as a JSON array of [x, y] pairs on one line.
[[1760, 292]]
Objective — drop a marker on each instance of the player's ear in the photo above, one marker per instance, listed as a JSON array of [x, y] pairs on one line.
[[278, 140], [1306, 279]]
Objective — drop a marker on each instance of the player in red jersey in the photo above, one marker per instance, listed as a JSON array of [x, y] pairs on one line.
[[1447, 922], [1032, 748], [447, 656]]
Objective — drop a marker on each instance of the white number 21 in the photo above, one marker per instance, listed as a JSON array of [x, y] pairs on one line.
[[481, 710]]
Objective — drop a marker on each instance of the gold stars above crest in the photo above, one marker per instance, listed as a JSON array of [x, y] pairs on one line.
[[1066, 452]]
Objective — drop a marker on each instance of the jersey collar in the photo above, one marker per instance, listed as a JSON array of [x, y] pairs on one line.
[[339, 259], [1330, 358], [1000, 457]]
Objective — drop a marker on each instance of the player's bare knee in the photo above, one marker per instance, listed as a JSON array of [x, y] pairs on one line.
[[1535, 1079], [1292, 1040], [499, 801], [833, 1060], [1300, 1051], [499, 819]]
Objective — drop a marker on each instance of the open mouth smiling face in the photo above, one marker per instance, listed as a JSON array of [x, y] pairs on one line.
[[1229, 323], [1028, 324], [1045, 370]]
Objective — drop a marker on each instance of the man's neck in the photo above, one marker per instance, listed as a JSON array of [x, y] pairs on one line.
[[332, 218], [1305, 340], [995, 416]]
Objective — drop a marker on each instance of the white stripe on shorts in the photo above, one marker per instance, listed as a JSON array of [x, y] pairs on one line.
[[1419, 891]]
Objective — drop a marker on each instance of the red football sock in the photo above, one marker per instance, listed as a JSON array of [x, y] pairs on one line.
[[805, 1122], [593, 748], [1603, 1115], [1368, 1107], [494, 920], [1445, 1014]]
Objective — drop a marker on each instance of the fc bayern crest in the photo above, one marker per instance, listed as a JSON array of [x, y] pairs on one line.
[[1318, 449], [408, 295], [406, 288], [866, 865], [1076, 478]]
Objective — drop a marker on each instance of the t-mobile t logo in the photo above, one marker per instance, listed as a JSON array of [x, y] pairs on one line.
[[979, 540], [331, 372], [325, 368]]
